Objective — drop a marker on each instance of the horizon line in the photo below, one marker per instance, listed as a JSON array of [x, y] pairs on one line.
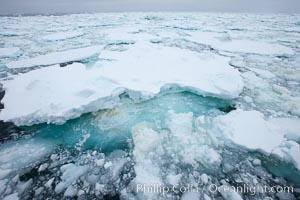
[[162, 11]]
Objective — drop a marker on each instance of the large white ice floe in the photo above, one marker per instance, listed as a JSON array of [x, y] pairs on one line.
[[248, 46], [221, 41], [62, 35], [148, 67], [252, 131], [57, 57], [56, 94]]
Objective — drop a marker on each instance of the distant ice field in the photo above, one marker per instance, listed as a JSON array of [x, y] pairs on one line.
[[93, 105]]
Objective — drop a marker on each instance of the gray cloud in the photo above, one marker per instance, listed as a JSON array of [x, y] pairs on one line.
[[74, 6]]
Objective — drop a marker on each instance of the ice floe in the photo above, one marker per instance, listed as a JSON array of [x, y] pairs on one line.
[[127, 34], [221, 41], [9, 52], [56, 94], [62, 35], [250, 129], [263, 73], [248, 46], [57, 57], [206, 73]]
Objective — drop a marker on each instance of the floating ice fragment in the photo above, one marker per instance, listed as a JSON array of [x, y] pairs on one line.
[[252, 131], [9, 52], [48, 184], [190, 196], [62, 35], [3, 184], [248, 46], [38, 191], [206, 197], [23, 186], [71, 173], [262, 72], [249, 129], [99, 187], [204, 179], [217, 41], [107, 164], [174, 179], [4, 173], [100, 162], [228, 193], [256, 162], [71, 191], [13, 196], [289, 151], [57, 57], [43, 167]]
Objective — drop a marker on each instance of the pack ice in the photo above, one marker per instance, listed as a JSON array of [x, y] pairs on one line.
[[57, 57], [93, 105]]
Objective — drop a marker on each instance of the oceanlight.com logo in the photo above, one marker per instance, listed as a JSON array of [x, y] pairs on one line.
[[212, 188]]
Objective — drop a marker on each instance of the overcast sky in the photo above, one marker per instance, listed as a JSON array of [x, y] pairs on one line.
[[75, 6]]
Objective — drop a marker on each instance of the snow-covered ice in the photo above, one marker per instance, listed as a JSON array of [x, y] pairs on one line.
[[104, 102], [57, 57], [56, 94], [222, 41], [9, 52], [62, 35], [205, 73], [246, 46], [251, 130]]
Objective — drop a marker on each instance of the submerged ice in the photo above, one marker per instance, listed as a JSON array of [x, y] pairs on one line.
[[107, 102]]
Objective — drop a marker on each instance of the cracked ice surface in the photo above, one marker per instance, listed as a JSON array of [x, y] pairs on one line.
[[114, 100]]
